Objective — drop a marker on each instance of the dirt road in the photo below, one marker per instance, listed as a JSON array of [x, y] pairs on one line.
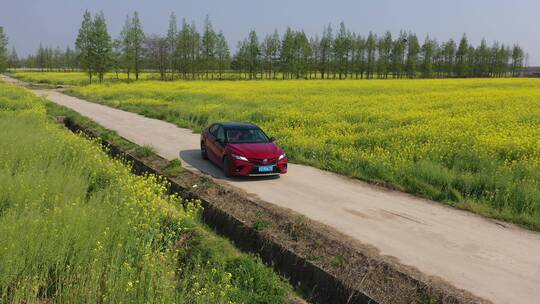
[[496, 261]]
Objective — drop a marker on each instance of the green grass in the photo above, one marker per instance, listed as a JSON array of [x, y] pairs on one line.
[[470, 143], [174, 168], [76, 78], [77, 226], [145, 150]]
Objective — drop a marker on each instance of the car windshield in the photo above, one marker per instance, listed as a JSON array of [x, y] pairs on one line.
[[244, 136]]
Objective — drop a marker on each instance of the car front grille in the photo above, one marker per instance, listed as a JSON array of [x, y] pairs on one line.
[[261, 162]]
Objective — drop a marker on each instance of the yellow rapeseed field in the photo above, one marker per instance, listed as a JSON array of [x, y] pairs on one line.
[[474, 143]]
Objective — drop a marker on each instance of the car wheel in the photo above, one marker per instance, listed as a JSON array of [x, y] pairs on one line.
[[226, 167], [204, 154]]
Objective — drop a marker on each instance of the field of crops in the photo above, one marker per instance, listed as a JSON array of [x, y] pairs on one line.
[[75, 78], [474, 143], [78, 227]]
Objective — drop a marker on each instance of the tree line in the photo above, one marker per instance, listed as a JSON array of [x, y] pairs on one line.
[[346, 54], [184, 52]]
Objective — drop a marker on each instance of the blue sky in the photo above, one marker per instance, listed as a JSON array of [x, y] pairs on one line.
[[55, 22]]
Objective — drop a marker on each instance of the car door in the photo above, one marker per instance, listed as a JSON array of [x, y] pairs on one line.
[[211, 142], [219, 145]]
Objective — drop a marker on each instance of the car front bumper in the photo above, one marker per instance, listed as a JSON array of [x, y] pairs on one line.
[[243, 168]]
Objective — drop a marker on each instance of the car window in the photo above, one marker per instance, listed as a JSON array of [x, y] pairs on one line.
[[243, 135], [213, 129], [221, 134]]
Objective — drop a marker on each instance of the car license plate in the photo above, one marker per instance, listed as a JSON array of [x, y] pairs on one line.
[[266, 168]]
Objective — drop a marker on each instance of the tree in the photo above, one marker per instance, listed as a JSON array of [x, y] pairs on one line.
[[427, 58], [462, 63], [41, 58], [384, 46], [172, 34], [438, 60], [371, 59], [136, 34], [274, 47], [70, 58], [302, 53], [482, 59], [314, 60], [58, 59], [287, 53], [238, 60], [48, 55], [223, 54], [125, 47], [116, 57], [471, 60], [187, 50], [131, 45], [493, 57], [13, 59], [102, 47], [341, 51], [253, 54], [449, 55], [3, 50], [182, 48], [501, 59], [504, 61], [326, 51], [518, 60], [156, 52], [398, 55], [413, 49], [194, 46], [270, 53], [359, 56], [84, 44], [208, 47]]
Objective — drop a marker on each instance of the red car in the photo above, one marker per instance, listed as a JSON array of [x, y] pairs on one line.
[[242, 149]]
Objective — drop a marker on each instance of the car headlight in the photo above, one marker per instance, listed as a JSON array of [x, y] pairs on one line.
[[282, 156], [239, 157]]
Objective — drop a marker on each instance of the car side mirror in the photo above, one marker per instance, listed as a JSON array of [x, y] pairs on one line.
[[219, 141], [272, 139]]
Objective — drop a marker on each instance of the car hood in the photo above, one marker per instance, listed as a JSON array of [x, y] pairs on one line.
[[256, 150]]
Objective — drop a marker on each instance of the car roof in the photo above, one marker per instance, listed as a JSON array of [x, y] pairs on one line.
[[241, 125]]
